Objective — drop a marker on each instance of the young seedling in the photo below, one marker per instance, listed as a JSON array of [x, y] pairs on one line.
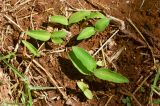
[[127, 101], [85, 89], [86, 65], [57, 36], [31, 48], [83, 60], [101, 24], [96, 14], [41, 35], [86, 33], [78, 16], [59, 19]]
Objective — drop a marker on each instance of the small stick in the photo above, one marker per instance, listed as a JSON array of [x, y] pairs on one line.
[[142, 83], [130, 21], [106, 42], [110, 98], [51, 79], [131, 95], [14, 23], [103, 55]]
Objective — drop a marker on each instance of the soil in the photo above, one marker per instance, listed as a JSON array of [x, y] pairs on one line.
[[136, 61]]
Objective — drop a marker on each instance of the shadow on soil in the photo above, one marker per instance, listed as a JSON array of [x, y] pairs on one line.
[[69, 70]]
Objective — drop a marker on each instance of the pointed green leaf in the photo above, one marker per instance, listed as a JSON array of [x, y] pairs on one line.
[[85, 58], [101, 24], [78, 64], [82, 85], [57, 40], [78, 16], [106, 74], [58, 34], [41, 35], [86, 33], [88, 94], [95, 15], [31, 48], [59, 19]]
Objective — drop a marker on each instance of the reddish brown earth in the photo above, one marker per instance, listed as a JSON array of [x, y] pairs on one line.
[[135, 62]]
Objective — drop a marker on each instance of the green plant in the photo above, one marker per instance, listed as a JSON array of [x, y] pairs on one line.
[[85, 89], [79, 57], [58, 36], [31, 48], [127, 101], [86, 65]]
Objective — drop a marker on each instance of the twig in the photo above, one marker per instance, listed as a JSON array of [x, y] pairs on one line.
[[103, 55], [142, 83], [14, 23], [51, 79], [142, 4], [108, 40], [130, 21], [115, 56], [110, 98], [131, 95]]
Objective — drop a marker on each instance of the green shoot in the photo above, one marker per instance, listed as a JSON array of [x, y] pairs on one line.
[[78, 64], [86, 33], [41, 35], [85, 89], [106, 74], [31, 48], [59, 19], [127, 101], [95, 15], [85, 64], [57, 40], [101, 24], [57, 36], [78, 16], [86, 59]]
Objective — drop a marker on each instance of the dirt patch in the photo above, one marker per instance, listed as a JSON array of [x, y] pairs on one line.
[[135, 61]]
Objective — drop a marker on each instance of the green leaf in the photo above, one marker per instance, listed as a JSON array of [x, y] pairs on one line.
[[95, 15], [59, 19], [78, 16], [88, 94], [31, 48], [106, 74], [57, 40], [58, 34], [86, 33], [85, 89], [78, 64], [82, 85], [41, 35], [101, 24], [85, 58]]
